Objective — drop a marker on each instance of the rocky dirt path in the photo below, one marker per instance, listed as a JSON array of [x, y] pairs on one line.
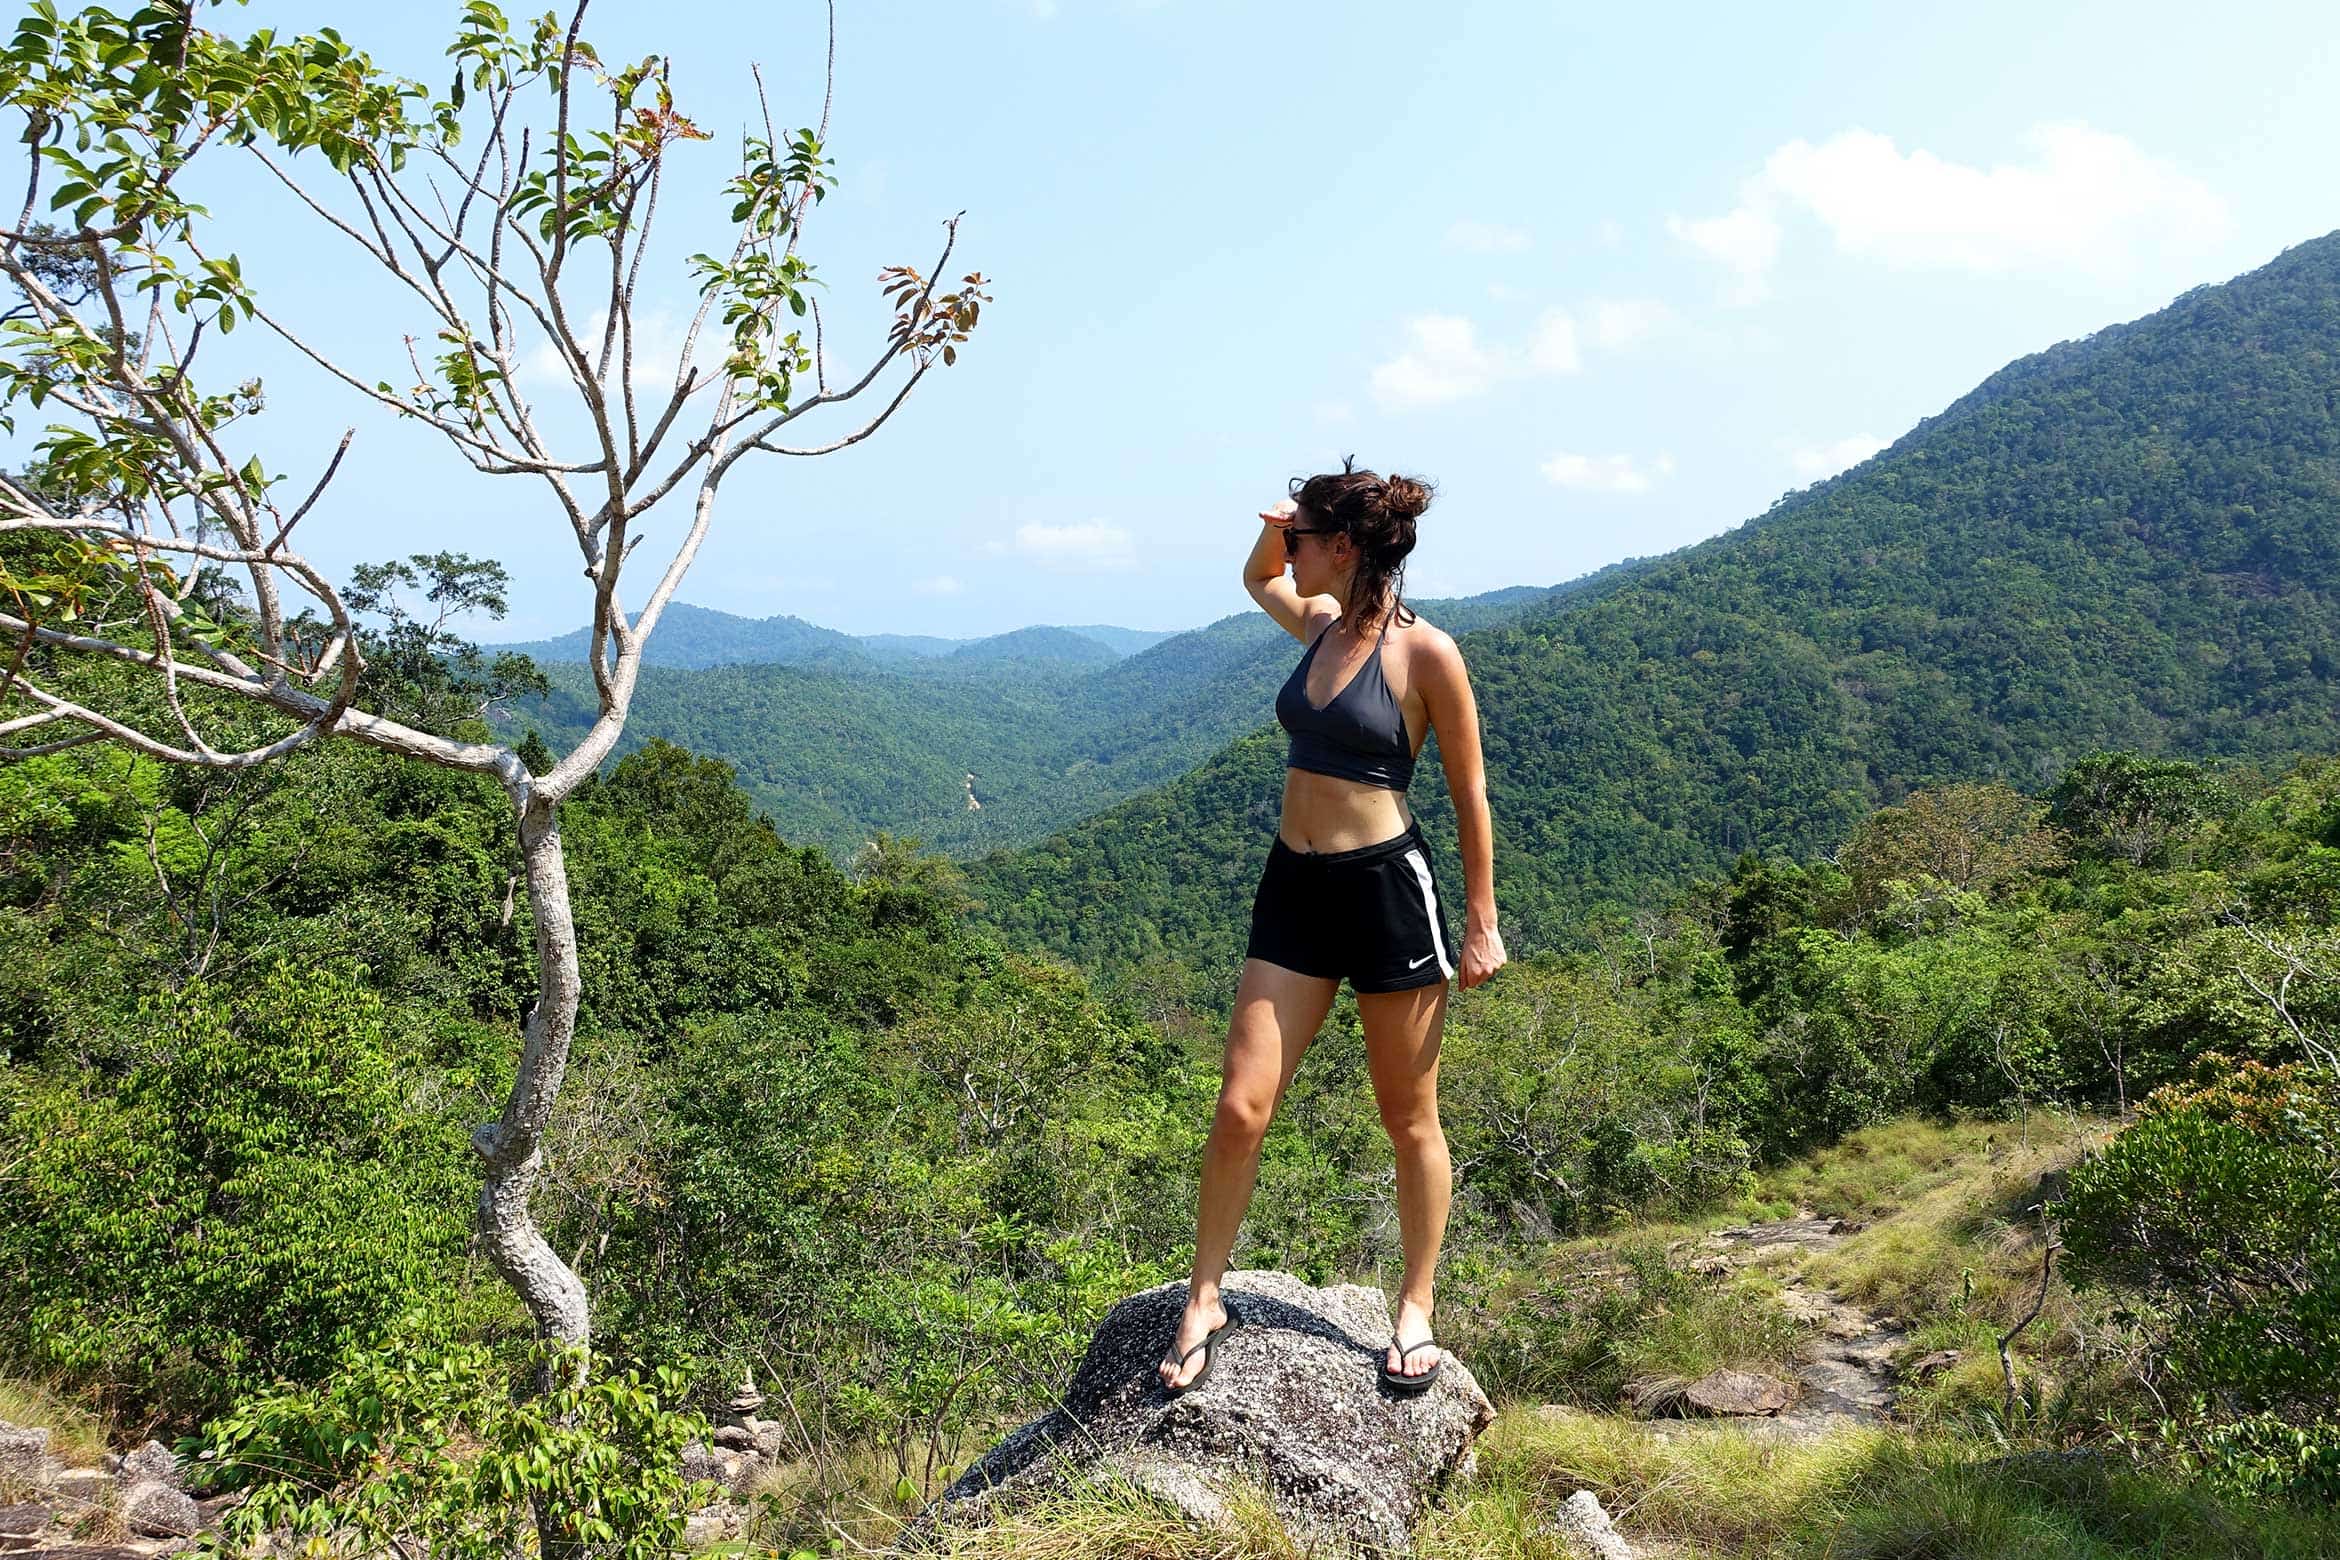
[[1845, 1370]]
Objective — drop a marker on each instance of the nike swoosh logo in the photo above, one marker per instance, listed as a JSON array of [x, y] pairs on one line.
[[1418, 963]]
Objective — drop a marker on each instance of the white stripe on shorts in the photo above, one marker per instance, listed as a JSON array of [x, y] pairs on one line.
[[1430, 909]]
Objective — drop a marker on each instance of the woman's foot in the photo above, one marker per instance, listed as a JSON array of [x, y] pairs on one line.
[[1185, 1360], [1413, 1326]]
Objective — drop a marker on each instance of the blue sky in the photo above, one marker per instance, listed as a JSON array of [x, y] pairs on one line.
[[1613, 278]]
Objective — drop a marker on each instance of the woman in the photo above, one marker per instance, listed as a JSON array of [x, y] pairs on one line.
[[1348, 890]]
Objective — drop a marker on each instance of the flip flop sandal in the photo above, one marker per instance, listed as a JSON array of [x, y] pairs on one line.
[[1411, 1384], [1210, 1352]]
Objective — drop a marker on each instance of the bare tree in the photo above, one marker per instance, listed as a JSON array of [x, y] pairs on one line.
[[149, 592]]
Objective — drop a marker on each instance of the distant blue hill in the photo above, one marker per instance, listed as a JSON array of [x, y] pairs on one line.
[[691, 638]]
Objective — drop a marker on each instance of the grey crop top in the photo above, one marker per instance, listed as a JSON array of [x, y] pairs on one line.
[[1359, 734]]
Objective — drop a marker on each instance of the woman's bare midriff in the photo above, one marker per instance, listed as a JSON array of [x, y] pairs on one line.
[[1324, 813]]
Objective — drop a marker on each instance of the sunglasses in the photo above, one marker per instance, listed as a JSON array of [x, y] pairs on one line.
[[1293, 533]]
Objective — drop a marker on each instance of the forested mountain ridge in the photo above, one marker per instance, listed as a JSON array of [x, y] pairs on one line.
[[2126, 541], [691, 636], [1052, 725]]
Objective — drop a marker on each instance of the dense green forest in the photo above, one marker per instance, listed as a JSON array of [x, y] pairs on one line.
[[2128, 541], [827, 1130], [1053, 726]]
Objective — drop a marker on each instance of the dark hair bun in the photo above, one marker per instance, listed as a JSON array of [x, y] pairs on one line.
[[1378, 514], [1404, 498]]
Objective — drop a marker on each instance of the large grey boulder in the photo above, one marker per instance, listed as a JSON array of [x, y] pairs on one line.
[[1293, 1408]]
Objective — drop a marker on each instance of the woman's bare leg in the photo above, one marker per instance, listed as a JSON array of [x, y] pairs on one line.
[[1277, 1012], [1402, 1034]]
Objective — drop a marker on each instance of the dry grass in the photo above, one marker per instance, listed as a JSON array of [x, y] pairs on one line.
[[1861, 1494], [1954, 1246], [1884, 1169], [77, 1437]]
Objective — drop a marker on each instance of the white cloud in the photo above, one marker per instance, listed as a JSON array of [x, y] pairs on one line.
[[1814, 461], [935, 585], [657, 351], [1486, 238], [1554, 349], [1746, 240], [1446, 360], [1085, 547], [1445, 363], [2084, 201], [1621, 323], [1606, 473]]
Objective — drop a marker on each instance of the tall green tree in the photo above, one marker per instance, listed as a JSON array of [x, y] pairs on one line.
[[151, 594]]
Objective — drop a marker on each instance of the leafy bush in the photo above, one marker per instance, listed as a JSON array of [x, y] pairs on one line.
[[412, 1447], [2223, 1203], [253, 1200]]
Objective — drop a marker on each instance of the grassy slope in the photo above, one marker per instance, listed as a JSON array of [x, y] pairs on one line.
[[1937, 1201]]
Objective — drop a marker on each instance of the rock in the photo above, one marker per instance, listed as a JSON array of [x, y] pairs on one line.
[[699, 1462], [1735, 1394], [159, 1511], [1293, 1407], [23, 1522], [1587, 1527], [712, 1526], [1927, 1366], [24, 1456], [771, 1442], [1823, 1313], [737, 1472], [154, 1463], [87, 1485], [737, 1438]]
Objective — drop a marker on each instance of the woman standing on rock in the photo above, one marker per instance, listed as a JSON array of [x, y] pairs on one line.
[[1348, 891]]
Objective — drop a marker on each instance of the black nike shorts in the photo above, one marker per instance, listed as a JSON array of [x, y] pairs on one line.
[[1370, 916]]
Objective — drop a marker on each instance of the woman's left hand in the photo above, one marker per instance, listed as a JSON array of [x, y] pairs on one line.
[[1482, 954]]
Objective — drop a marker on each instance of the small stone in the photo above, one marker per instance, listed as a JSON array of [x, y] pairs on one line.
[[158, 1511], [1927, 1366], [155, 1463], [1587, 1527], [712, 1526], [1735, 1394], [737, 1438]]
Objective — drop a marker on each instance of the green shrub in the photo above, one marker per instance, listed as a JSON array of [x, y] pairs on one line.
[[242, 1208], [418, 1448], [2223, 1203]]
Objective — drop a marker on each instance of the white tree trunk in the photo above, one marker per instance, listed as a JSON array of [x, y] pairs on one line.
[[512, 1147]]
